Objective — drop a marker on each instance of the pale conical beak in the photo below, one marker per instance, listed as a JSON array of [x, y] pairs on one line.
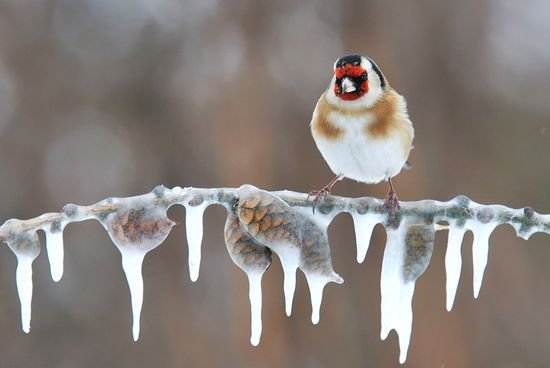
[[348, 85]]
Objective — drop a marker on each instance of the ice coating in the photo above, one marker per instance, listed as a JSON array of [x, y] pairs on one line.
[[364, 225], [407, 254], [26, 248], [194, 231], [480, 251], [54, 248], [453, 263], [254, 259], [136, 228]]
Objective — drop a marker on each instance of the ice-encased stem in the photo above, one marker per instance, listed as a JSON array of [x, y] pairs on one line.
[[453, 263], [194, 231], [480, 253], [364, 225], [132, 260], [255, 297], [54, 247], [23, 279]]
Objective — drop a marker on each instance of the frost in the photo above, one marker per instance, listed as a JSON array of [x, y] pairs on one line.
[[136, 228], [54, 247], [364, 225], [194, 231], [26, 248], [407, 254], [453, 262]]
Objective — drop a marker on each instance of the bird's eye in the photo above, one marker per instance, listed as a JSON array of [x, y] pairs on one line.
[[364, 76]]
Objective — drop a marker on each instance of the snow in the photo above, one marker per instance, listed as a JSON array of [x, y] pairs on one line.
[[54, 247], [194, 231], [453, 262], [364, 225]]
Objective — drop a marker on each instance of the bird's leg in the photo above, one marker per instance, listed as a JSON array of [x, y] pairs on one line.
[[319, 194], [391, 202]]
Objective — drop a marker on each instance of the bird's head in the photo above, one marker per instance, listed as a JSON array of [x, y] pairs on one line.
[[357, 77]]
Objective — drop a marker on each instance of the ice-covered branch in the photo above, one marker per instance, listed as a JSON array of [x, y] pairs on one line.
[[260, 223]]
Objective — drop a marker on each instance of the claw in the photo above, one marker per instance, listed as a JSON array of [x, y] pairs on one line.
[[319, 194]]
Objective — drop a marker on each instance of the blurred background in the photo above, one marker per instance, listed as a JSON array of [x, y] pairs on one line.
[[104, 98]]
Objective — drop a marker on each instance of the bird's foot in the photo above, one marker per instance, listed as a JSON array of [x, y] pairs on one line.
[[318, 195], [391, 203]]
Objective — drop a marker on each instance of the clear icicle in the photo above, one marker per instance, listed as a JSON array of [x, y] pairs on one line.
[[54, 247], [453, 263], [194, 230], [255, 297], [132, 261], [364, 225], [480, 252]]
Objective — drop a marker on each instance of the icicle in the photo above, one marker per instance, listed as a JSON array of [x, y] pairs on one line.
[[480, 251], [26, 248], [136, 228], [316, 261], [132, 260], [255, 297], [453, 262], [316, 283], [254, 259], [54, 247], [407, 254], [290, 259], [364, 225], [194, 230]]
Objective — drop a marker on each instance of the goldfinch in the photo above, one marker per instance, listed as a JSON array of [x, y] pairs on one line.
[[361, 127]]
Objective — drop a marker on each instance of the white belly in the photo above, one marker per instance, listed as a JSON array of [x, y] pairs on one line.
[[357, 157]]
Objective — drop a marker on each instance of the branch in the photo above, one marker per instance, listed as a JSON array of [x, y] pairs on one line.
[[261, 222]]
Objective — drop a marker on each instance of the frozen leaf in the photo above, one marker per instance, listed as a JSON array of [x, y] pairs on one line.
[[254, 259], [136, 227], [271, 222], [298, 238]]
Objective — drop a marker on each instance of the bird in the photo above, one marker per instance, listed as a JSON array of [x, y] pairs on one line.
[[362, 128]]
